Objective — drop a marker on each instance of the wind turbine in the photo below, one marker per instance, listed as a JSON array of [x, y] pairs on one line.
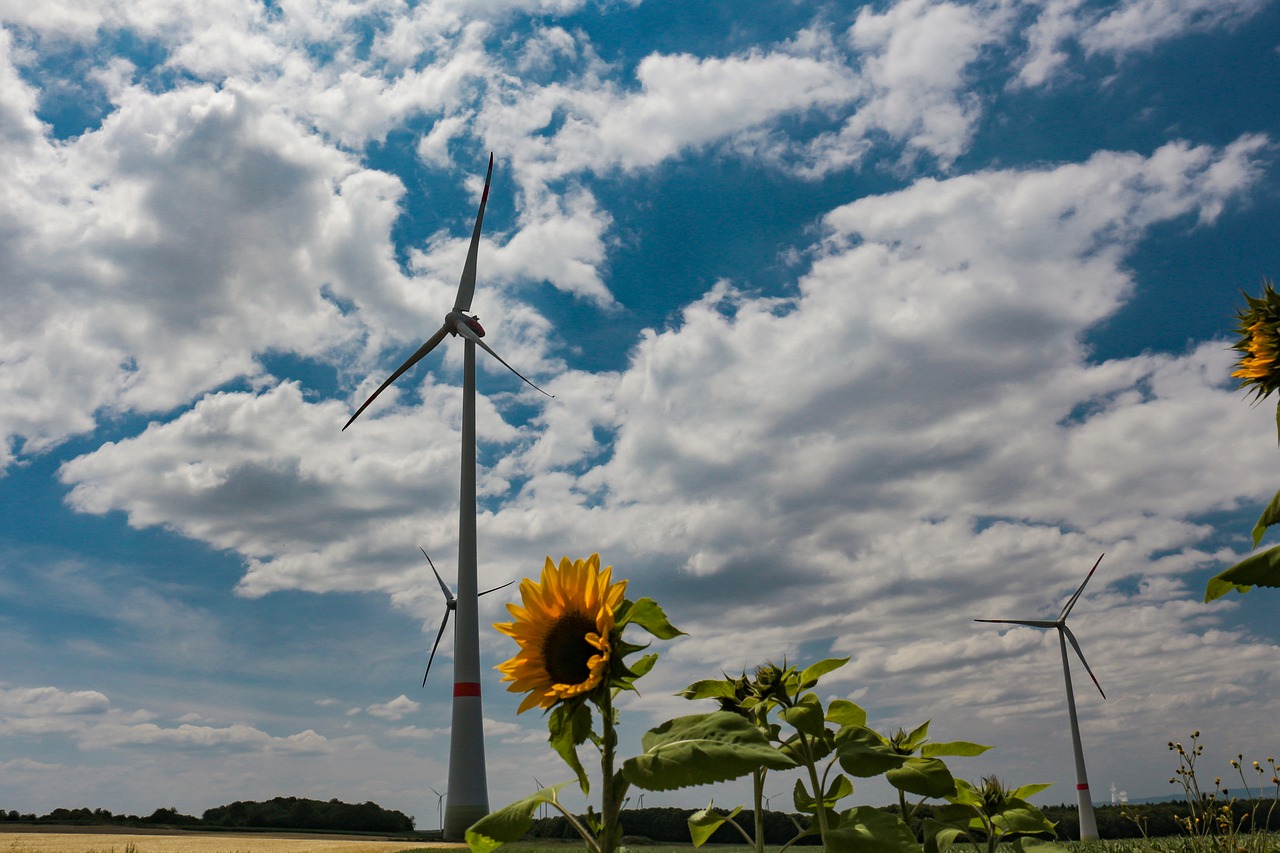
[[440, 806], [450, 605], [1088, 825], [468, 787]]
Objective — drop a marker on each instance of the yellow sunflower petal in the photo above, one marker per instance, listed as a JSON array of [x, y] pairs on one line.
[[562, 630]]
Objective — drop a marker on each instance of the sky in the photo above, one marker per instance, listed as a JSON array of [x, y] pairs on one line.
[[863, 320]]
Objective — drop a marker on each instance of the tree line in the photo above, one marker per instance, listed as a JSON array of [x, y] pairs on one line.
[[277, 813], [667, 824]]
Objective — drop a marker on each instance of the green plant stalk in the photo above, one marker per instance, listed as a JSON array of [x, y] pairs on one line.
[[613, 785], [757, 783], [592, 846], [812, 765]]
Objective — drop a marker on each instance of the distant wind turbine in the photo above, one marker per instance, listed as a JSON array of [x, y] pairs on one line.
[[450, 605], [439, 806], [468, 787], [1088, 825]]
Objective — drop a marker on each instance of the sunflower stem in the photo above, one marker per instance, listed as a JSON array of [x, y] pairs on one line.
[[812, 765], [613, 787], [757, 785]]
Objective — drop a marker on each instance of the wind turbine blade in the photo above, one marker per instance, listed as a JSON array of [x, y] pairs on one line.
[[448, 593], [1072, 601], [413, 359], [466, 332], [467, 285], [436, 645], [496, 588], [1080, 654], [1034, 623]]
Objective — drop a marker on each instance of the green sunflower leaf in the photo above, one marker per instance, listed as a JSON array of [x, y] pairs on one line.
[[918, 736], [648, 615], [1261, 569], [1029, 790], [939, 836], [510, 822], [624, 674], [1270, 516], [1020, 817], [842, 712], [954, 747], [569, 727], [700, 749], [704, 823], [925, 777], [809, 677], [864, 753], [869, 830], [806, 715], [708, 689]]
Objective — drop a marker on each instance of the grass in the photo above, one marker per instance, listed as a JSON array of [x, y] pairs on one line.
[[1270, 842]]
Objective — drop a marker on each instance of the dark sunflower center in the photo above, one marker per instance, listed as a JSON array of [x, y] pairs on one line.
[[566, 650]]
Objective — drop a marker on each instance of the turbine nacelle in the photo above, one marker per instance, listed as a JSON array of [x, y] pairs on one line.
[[457, 322]]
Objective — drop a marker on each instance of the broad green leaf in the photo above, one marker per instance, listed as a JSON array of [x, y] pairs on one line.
[[1256, 570], [818, 747], [1270, 516], [842, 712], [1038, 845], [648, 615], [708, 689], [806, 804], [954, 747], [869, 830], [509, 823], [965, 796], [1026, 791], [806, 716], [700, 749], [839, 788], [1022, 818], [809, 677], [704, 823], [925, 777], [800, 797], [940, 835], [864, 753], [643, 665], [569, 726]]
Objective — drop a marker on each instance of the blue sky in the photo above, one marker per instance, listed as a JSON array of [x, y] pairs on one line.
[[862, 321]]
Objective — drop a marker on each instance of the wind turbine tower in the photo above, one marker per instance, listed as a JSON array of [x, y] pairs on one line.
[[1088, 825], [468, 786]]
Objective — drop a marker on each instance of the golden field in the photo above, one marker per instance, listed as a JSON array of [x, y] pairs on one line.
[[109, 842]]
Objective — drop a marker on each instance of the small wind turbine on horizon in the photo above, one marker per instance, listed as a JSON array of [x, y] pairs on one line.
[[468, 786], [450, 605], [1088, 825], [440, 806]]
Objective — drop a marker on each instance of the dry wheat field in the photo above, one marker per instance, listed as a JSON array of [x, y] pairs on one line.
[[100, 842]]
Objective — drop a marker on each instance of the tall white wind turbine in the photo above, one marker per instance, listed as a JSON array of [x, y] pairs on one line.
[[1088, 825], [468, 786]]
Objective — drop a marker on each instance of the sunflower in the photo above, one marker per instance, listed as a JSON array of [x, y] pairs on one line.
[[564, 632], [1259, 345]]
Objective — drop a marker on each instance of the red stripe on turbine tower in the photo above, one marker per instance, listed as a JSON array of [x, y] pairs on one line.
[[466, 688]]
